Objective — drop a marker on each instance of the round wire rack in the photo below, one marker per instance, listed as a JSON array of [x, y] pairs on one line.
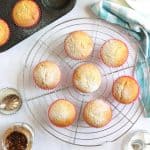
[[50, 47]]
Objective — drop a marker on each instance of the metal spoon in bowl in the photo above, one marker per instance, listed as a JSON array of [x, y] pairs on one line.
[[10, 101], [139, 144]]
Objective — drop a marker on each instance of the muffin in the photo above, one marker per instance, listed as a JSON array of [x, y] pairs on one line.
[[97, 113], [125, 89], [4, 32], [26, 13], [46, 75], [78, 45], [114, 53], [62, 113], [87, 78]]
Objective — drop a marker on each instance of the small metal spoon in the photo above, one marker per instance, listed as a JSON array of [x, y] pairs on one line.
[[10, 102], [139, 144]]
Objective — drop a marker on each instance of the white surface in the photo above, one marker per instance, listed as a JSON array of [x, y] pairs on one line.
[[11, 63], [141, 6]]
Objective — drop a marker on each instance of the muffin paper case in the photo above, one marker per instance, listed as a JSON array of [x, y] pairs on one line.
[[139, 27]]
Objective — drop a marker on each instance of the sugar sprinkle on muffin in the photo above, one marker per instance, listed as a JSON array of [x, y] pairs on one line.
[[114, 53], [47, 75], [97, 113], [26, 13], [87, 78], [78, 45], [125, 89], [4, 32], [62, 113]]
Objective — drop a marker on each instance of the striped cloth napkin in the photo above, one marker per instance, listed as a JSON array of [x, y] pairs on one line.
[[137, 25]]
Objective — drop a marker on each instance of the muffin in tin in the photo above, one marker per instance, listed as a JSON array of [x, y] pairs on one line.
[[26, 13], [4, 32]]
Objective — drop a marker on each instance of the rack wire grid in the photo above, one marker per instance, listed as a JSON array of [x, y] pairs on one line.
[[50, 47]]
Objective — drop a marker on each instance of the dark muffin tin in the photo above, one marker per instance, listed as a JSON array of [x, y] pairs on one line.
[[50, 11]]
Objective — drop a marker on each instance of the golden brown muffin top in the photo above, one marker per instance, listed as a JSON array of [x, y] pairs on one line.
[[87, 77], [4, 32], [97, 113], [62, 113], [46, 75], [78, 45], [114, 53], [125, 89], [26, 13]]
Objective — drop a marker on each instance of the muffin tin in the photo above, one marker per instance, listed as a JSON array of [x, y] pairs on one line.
[[50, 11]]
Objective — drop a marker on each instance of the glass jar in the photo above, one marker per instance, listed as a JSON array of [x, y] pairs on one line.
[[23, 128], [137, 140]]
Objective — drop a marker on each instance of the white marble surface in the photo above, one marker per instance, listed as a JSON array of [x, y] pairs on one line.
[[11, 63]]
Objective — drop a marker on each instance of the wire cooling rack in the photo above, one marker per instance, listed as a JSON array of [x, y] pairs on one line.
[[50, 47]]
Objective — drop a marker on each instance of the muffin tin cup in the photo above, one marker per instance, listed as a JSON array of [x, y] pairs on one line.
[[55, 4]]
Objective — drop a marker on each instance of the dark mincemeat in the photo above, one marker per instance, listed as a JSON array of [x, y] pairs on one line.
[[16, 141]]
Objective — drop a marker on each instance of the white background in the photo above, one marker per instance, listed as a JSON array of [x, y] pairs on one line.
[[11, 63]]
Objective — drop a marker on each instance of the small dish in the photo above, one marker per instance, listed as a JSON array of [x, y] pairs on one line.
[[142, 135], [10, 101]]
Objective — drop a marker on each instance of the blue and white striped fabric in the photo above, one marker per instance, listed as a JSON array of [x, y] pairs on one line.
[[139, 27]]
